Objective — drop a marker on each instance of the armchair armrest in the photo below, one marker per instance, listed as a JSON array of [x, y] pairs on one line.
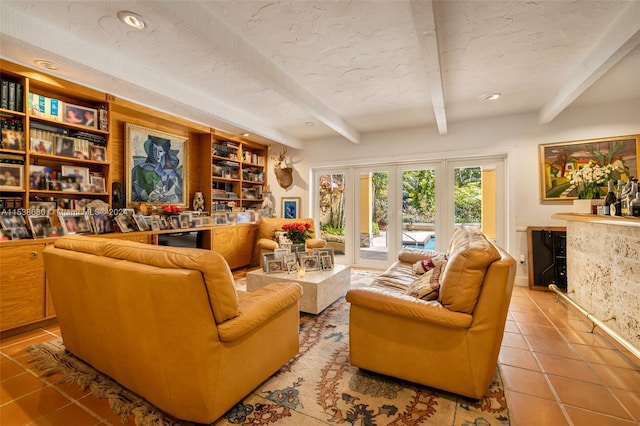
[[315, 243], [266, 244], [257, 307], [402, 305]]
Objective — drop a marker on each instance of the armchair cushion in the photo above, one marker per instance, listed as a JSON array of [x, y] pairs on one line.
[[470, 254]]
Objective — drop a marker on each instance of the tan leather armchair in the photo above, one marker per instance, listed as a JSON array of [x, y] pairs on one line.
[[168, 324], [451, 343], [266, 241]]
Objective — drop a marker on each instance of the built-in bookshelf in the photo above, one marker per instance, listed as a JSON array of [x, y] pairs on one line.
[[237, 173], [55, 143], [12, 140]]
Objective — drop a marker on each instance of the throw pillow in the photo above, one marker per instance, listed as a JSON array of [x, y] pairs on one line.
[[427, 264], [427, 286]]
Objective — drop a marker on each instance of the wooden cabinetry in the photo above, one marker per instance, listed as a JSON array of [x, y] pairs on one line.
[[22, 285], [237, 173]]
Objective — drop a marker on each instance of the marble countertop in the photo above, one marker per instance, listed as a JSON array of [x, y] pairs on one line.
[[605, 220]]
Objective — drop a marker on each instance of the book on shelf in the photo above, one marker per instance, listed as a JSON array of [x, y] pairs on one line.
[[12, 96], [4, 94]]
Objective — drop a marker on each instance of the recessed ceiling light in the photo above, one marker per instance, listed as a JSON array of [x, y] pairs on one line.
[[310, 123], [245, 135], [492, 96], [52, 66], [133, 20]]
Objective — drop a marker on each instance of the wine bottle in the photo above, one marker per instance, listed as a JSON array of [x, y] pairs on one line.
[[634, 204], [616, 208], [609, 200]]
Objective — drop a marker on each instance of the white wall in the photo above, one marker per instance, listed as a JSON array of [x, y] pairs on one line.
[[518, 135]]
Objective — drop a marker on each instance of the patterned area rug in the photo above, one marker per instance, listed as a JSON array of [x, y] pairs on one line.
[[317, 387]]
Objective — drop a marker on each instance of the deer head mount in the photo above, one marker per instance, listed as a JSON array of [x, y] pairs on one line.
[[284, 173]]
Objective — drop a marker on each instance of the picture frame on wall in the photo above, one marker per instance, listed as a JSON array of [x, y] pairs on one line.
[[559, 160], [156, 167], [290, 207]]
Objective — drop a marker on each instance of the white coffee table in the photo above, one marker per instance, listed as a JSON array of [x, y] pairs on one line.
[[319, 288]]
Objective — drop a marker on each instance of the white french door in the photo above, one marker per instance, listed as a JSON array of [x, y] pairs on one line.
[[379, 209]]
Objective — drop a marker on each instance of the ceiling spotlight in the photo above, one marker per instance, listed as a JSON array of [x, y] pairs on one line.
[[310, 123], [245, 135], [133, 20], [492, 96], [48, 65]]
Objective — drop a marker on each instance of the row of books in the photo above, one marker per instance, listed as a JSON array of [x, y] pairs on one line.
[[11, 95], [6, 158], [50, 133]]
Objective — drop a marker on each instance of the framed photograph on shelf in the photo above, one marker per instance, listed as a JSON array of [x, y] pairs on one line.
[[141, 223], [310, 262], [325, 262], [156, 165], [11, 176], [98, 183], [38, 225], [75, 224], [12, 139], [290, 207], [79, 174], [98, 153], [219, 218], [292, 267], [275, 266], [324, 252], [125, 223], [38, 176], [102, 223], [558, 161], [265, 258], [65, 146], [41, 146], [82, 116], [14, 226]]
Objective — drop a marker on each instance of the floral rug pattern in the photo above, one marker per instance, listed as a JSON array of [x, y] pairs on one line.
[[316, 387]]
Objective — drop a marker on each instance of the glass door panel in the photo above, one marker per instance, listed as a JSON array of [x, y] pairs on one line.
[[479, 196], [374, 219], [418, 207], [332, 211]]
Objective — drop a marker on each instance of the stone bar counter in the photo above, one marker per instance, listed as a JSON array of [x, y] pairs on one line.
[[603, 269]]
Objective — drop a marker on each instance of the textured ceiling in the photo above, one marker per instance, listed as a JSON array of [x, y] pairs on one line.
[[269, 67]]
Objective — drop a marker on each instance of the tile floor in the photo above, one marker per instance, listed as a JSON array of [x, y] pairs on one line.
[[556, 371]]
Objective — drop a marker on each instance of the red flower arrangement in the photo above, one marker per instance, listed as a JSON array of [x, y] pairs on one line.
[[297, 232], [171, 209]]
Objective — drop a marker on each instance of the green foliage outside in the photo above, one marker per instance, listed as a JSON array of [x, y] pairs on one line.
[[418, 198]]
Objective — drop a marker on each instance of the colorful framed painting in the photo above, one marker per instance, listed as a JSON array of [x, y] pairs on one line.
[[156, 167], [290, 207], [559, 160]]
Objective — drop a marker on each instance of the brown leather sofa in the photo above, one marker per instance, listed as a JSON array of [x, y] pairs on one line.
[[451, 343], [168, 324], [266, 240]]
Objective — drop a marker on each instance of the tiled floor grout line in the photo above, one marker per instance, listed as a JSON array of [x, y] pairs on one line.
[[53, 385], [582, 358]]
